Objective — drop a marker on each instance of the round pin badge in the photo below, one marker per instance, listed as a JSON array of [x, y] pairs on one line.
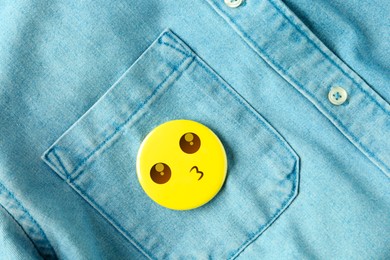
[[181, 164]]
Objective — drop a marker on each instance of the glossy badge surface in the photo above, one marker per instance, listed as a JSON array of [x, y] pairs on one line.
[[181, 164]]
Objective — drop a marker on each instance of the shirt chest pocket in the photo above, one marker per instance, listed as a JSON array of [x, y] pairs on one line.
[[97, 157]]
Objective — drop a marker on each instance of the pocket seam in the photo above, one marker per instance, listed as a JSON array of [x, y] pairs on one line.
[[187, 54], [264, 227]]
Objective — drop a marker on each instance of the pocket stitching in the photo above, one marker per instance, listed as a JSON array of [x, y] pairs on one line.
[[184, 52], [285, 205]]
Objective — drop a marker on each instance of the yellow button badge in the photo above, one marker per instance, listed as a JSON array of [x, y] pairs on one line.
[[181, 164]]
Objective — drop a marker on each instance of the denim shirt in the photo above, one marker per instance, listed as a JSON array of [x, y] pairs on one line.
[[83, 82]]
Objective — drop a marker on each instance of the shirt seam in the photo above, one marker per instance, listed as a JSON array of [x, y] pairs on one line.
[[330, 59], [318, 104], [43, 244]]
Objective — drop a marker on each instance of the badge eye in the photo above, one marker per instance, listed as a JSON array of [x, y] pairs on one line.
[[190, 143], [160, 173]]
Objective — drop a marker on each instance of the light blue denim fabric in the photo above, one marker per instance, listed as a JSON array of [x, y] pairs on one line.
[[83, 82]]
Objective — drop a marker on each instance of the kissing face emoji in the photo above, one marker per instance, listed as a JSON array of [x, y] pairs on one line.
[[181, 164]]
